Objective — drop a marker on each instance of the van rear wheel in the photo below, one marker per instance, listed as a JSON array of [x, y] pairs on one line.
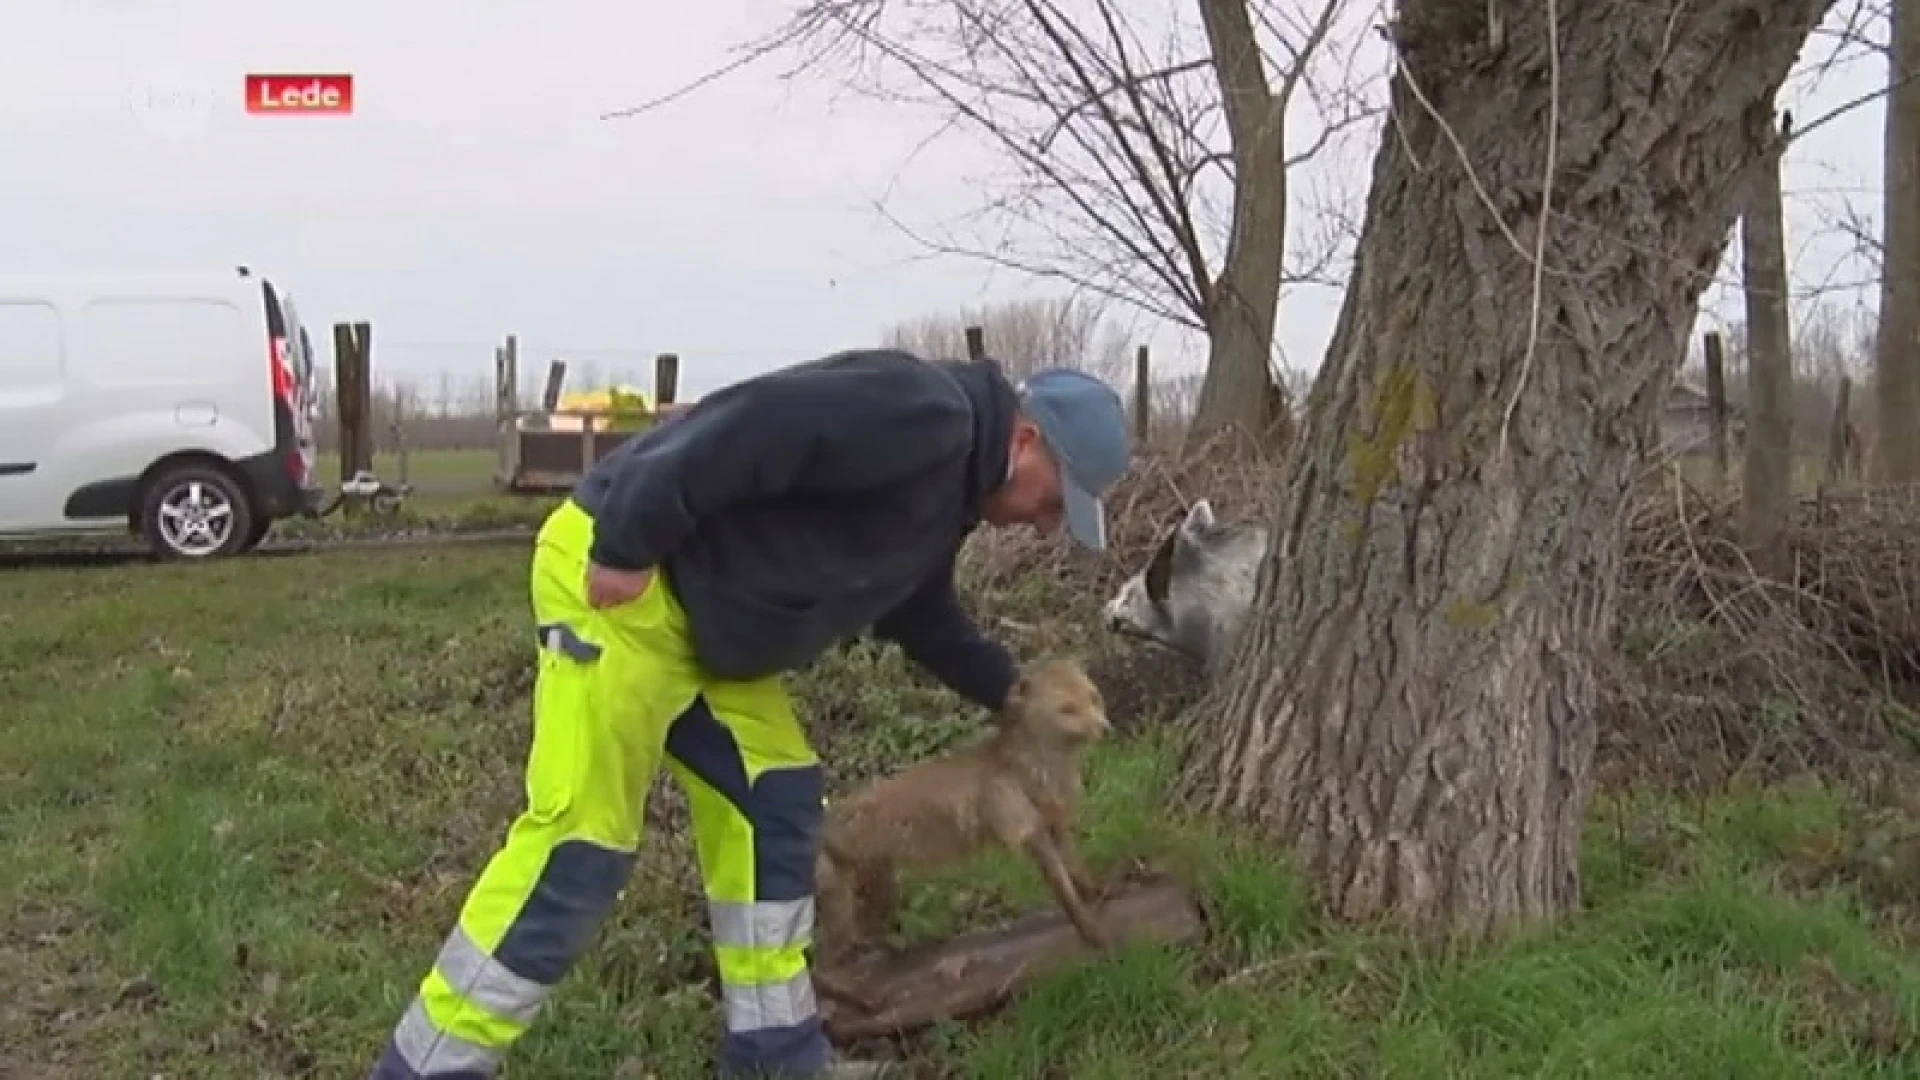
[[196, 512]]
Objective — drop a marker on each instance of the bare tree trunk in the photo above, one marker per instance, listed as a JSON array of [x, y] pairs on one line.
[[1767, 477], [1239, 388], [1411, 708], [1896, 366]]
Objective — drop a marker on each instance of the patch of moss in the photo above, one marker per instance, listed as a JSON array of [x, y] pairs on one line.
[[1472, 614], [1406, 405]]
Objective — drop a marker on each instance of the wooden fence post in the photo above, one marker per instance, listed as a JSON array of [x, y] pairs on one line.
[[1839, 443], [363, 341], [398, 431], [1142, 395], [353, 388], [501, 436], [666, 379], [1766, 473], [346, 371], [1717, 404], [506, 389], [513, 369], [556, 379]]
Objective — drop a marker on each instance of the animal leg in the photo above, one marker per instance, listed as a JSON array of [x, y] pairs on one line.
[[837, 913], [836, 907], [1046, 855], [1090, 888]]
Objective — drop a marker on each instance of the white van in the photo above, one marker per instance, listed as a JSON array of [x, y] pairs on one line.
[[175, 404]]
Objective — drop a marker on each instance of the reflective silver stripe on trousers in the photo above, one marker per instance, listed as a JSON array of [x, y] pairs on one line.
[[486, 982], [430, 1050], [762, 926], [775, 1005]]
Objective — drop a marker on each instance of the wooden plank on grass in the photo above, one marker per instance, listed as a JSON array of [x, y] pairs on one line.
[[970, 974]]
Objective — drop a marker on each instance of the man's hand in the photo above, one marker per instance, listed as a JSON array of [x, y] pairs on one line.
[[611, 588]]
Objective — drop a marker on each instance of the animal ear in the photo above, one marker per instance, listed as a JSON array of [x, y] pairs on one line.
[[1199, 516], [1160, 570]]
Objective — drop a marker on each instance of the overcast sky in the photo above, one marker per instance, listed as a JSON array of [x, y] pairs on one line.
[[475, 191]]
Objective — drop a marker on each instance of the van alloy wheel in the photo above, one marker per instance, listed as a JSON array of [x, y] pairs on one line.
[[196, 518], [196, 511]]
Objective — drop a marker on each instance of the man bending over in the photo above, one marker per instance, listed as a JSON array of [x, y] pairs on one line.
[[690, 568]]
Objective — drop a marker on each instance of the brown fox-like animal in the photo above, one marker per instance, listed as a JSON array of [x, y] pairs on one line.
[[1019, 788]]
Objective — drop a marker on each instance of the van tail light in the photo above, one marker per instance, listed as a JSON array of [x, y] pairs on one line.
[[282, 371], [286, 392]]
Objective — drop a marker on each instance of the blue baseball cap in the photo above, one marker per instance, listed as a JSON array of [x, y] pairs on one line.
[[1085, 427]]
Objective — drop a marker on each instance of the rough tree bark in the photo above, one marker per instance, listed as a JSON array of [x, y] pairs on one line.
[[1239, 388], [1411, 707], [1896, 362], [1766, 488]]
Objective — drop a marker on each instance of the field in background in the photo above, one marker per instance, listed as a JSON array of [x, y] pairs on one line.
[[239, 807], [450, 488], [435, 473]]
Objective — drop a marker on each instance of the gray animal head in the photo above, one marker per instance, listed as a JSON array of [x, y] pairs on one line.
[[1194, 594]]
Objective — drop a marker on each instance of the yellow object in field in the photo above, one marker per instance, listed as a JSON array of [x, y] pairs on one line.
[[612, 399], [615, 408]]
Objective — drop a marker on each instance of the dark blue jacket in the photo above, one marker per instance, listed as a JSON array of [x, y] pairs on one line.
[[811, 503]]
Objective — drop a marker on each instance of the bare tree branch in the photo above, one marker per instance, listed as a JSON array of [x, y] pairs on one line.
[[1855, 102], [750, 53], [1127, 157], [1147, 152], [1024, 336]]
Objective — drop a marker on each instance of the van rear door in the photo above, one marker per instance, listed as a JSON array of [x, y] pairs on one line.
[[293, 390]]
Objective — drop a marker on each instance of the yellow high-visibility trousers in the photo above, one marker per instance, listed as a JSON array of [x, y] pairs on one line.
[[617, 691]]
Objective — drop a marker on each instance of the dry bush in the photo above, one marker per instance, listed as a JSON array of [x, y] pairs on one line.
[[1724, 672]]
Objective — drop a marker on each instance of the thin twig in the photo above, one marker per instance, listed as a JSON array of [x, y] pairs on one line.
[[755, 52], [1466, 162], [1540, 229]]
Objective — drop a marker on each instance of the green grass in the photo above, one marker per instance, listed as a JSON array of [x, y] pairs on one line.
[[449, 488], [240, 803], [434, 472], [431, 472]]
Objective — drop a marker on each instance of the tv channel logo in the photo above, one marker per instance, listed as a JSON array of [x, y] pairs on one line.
[[173, 109]]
